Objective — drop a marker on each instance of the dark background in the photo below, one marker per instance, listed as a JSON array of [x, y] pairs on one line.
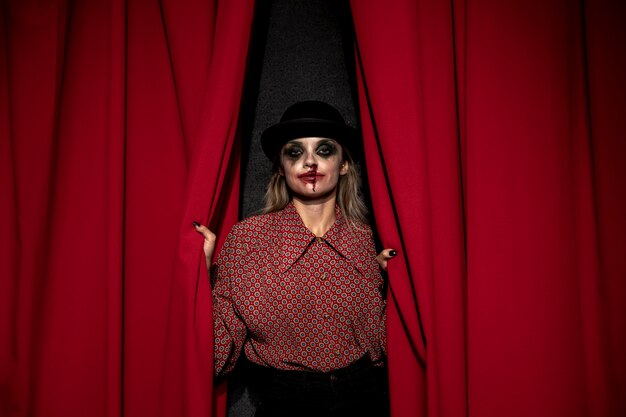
[[300, 50]]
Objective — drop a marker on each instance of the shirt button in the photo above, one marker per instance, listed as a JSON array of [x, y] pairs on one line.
[[324, 276], [319, 240], [326, 316]]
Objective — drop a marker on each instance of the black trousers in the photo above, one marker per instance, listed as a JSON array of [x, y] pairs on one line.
[[357, 390]]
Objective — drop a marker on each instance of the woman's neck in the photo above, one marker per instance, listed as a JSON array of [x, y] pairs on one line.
[[318, 216]]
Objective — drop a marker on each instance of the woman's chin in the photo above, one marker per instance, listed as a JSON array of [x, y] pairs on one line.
[[310, 196]]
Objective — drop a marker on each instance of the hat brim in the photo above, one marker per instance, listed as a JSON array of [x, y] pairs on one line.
[[274, 137]]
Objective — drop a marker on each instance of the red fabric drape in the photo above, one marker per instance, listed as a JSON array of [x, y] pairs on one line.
[[495, 157], [117, 123]]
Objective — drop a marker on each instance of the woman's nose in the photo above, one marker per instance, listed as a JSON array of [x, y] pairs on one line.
[[309, 160]]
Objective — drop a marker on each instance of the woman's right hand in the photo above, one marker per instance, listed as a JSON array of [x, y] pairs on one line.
[[209, 242]]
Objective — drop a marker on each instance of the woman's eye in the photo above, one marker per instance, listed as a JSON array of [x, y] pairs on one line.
[[325, 150], [293, 152]]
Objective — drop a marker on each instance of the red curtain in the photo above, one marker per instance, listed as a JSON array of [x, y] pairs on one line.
[[495, 149], [117, 123]]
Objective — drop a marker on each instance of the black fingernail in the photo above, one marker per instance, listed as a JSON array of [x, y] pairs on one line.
[[392, 253], [196, 224]]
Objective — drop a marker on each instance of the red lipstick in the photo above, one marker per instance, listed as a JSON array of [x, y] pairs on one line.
[[310, 177]]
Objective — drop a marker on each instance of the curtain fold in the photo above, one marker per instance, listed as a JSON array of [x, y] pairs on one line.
[[606, 100], [408, 113], [494, 155], [118, 129]]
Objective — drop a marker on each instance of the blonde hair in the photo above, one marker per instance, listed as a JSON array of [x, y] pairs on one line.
[[349, 196]]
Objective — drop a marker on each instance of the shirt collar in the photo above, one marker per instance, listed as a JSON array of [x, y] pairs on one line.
[[295, 238]]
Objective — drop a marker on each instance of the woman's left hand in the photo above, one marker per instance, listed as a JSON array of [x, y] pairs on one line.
[[384, 256]]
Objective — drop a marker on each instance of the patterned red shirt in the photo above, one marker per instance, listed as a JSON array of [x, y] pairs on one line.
[[296, 302]]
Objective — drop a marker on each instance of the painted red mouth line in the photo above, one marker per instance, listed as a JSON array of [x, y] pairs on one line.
[[310, 174], [310, 178]]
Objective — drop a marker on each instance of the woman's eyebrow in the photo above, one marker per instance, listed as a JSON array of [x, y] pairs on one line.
[[326, 142]]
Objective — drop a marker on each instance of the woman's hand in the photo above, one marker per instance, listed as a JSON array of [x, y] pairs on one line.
[[384, 256], [209, 242]]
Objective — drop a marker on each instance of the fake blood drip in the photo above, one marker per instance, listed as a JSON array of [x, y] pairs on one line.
[[314, 178]]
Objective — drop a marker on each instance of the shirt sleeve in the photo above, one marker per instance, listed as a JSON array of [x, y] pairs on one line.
[[229, 331], [382, 328]]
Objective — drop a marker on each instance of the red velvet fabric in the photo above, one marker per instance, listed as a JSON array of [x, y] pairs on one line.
[[118, 127], [495, 153]]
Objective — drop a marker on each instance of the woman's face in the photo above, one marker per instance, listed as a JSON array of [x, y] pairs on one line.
[[312, 166]]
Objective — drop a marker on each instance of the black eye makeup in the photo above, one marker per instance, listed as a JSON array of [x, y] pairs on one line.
[[293, 151], [326, 149]]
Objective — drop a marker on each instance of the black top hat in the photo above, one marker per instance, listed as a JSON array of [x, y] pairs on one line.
[[308, 119]]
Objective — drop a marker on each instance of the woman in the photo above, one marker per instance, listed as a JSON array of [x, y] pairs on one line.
[[298, 289]]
